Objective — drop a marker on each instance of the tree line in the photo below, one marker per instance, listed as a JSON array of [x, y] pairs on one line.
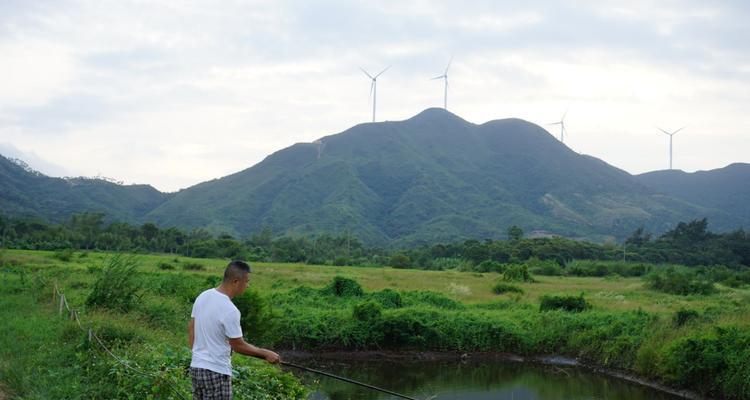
[[688, 243]]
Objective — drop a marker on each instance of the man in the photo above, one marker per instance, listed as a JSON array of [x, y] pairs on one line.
[[214, 331]]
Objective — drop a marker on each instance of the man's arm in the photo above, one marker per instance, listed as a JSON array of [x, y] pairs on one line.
[[191, 332], [241, 346]]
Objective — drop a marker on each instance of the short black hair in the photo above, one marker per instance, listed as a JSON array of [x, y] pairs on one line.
[[236, 270]]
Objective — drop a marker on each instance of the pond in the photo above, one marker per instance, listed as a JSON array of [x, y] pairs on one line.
[[454, 380]]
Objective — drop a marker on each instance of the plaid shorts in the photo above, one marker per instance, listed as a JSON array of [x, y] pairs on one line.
[[210, 385]]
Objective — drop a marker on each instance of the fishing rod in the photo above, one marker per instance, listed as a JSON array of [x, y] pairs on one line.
[[341, 378]]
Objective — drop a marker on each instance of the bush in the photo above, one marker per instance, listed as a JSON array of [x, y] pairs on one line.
[[367, 311], [489, 266], [184, 287], [400, 260], [546, 267], [501, 288], [165, 266], [256, 319], [681, 283], [565, 303], [193, 266], [115, 335], [117, 287], [64, 255], [683, 316], [716, 363], [517, 273], [343, 287], [426, 297], [388, 298]]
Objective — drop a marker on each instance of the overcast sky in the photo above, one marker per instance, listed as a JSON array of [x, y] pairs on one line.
[[172, 93]]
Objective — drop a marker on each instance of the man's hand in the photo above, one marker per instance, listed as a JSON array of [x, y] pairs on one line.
[[272, 357], [241, 346]]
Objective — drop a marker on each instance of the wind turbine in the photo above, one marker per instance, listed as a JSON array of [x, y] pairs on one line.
[[444, 76], [670, 134], [561, 122], [374, 88]]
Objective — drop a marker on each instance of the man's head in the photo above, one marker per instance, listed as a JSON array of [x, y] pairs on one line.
[[236, 278]]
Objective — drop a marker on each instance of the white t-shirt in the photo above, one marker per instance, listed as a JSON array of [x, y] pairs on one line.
[[216, 320]]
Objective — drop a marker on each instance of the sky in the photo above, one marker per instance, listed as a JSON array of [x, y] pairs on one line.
[[173, 93]]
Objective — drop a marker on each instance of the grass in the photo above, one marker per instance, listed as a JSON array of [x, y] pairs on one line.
[[618, 294], [629, 326]]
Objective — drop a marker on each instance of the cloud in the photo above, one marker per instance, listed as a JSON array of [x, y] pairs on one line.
[[173, 93]]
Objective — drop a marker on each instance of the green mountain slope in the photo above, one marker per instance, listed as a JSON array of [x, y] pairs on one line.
[[725, 189], [24, 192], [434, 177]]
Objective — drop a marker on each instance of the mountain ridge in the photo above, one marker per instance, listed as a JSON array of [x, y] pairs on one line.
[[432, 177]]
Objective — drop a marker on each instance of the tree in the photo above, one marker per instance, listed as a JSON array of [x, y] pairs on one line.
[[638, 238], [515, 233]]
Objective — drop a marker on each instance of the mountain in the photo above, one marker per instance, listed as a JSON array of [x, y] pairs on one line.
[[433, 177], [24, 192], [726, 189]]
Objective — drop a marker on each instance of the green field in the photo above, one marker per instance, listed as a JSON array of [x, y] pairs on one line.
[[628, 327]]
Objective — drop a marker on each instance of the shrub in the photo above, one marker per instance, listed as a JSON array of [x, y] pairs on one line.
[[444, 263], [341, 261], [114, 334], [343, 287], [256, 317], [565, 303], [517, 273], [501, 288], [64, 255], [184, 287], [94, 269], [682, 283], [160, 314], [713, 363], [165, 266], [400, 260], [489, 266], [367, 311], [683, 316], [388, 298], [117, 287], [426, 297], [544, 267], [193, 266]]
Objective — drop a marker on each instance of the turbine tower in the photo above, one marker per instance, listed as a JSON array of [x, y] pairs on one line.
[[561, 122], [670, 134], [444, 76], [374, 88]]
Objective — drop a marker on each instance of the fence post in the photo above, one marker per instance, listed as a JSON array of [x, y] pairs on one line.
[[90, 334], [62, 303]]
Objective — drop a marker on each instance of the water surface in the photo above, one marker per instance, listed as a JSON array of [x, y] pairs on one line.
[[454, 380]]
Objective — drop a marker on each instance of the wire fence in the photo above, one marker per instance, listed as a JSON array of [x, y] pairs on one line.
[[59, 301]]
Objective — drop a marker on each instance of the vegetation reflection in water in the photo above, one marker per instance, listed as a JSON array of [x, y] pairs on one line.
[[473, 381]]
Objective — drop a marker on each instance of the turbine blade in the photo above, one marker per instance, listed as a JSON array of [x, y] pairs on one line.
[[437, 77], [372, 87], [679, 130], [555, 123], [381, 72], [564, 115], [448, 66], [368, 75], [664, 131]]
